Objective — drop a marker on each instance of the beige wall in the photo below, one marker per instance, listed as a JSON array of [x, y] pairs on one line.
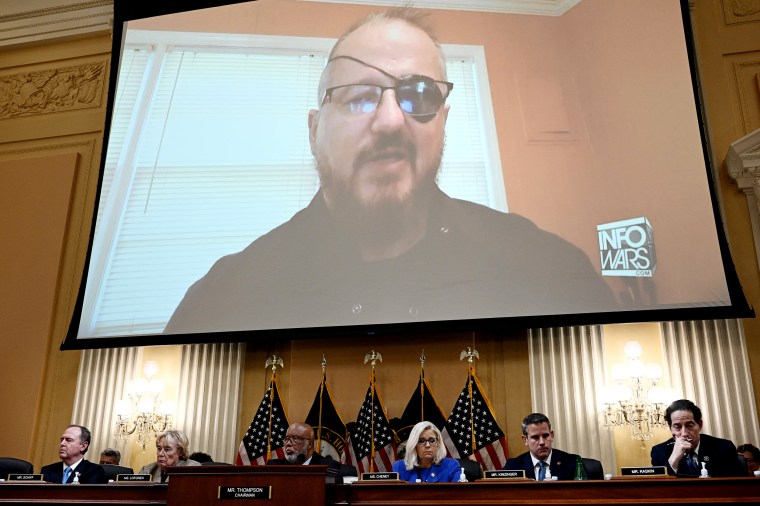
[[57, 141], [51, 122], [729, 58]]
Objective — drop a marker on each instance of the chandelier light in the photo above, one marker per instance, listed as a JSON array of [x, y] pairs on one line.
[[143, 413], [636, 401]]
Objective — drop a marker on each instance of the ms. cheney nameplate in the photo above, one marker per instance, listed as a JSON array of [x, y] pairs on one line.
[[263, 492], [379, 476]]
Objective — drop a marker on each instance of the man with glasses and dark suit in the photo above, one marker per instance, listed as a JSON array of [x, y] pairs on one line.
[[380, 241], [299, 449]]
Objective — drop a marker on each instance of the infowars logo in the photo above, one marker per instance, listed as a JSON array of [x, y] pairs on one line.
[[626, 248]]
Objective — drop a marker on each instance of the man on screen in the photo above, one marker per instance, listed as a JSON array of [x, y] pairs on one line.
[[380, 242]]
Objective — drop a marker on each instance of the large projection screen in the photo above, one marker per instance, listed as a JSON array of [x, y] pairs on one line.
[[573, 188]]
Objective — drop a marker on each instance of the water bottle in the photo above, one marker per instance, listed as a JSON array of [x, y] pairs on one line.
[[580, 471], [75, 481], [462, 477]]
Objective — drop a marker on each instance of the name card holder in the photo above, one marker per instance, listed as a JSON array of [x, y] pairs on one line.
[[133, 478], [379, 477], [644, 472], [505, 474], [254, 492], [24, 477]]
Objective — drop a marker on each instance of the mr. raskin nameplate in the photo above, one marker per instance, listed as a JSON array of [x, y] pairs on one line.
[[261, 492], [133, 477], [24, 477], [505, 473], [643, 471], [379, 476]]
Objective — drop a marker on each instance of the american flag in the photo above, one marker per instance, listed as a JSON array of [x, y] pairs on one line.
[[360, 445], [265, 432], [471, 429]]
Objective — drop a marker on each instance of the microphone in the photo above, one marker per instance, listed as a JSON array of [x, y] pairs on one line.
[[300, 458]]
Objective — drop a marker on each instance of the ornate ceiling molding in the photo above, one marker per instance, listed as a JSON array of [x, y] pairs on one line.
[[24, 23]]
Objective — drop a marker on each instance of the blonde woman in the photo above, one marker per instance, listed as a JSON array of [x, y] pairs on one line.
[[425, 460]]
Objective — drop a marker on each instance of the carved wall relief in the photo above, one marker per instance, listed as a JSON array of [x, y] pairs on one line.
[[52, 90]]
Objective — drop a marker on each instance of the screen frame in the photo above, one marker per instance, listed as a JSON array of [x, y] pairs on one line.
[[739, 307]]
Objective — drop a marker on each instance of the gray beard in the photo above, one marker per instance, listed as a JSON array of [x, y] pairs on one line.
[[293, 458], [377, 220]]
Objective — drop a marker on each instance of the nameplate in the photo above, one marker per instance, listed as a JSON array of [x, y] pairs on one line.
[[24, 477], [379, 476], [506, 473], [264, 492], [643, 471], [133, 477]]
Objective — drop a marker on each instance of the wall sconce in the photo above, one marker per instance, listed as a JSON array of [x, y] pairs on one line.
[[635, 400], [143, 413]]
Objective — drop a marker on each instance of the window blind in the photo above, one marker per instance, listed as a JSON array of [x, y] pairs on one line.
[[210, 149]]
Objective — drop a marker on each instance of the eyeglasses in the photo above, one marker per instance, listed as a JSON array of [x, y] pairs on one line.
[[430, 441], [294, 439], [418, 96], [165, 449]]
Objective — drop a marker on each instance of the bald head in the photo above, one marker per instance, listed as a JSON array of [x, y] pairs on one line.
[[374, 24]]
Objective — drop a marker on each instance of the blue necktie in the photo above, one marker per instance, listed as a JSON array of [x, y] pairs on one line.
[[66, 474], [541, 471], [691, 463]]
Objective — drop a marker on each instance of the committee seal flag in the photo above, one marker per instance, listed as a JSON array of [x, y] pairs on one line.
[[422, 406], [329, 429]]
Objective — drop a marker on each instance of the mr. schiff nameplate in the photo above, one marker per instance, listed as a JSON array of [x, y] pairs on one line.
[[24, 477]]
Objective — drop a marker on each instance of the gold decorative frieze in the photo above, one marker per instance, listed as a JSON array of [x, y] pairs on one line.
[[52, 90], [741, 11]]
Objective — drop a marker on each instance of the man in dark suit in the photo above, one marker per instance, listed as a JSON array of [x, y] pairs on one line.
[[542, 462], [684, 453], [75, 442], [299, 449]]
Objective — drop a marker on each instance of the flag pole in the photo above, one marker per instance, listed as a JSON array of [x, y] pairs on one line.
[[373, 357], [321, 390], [422, 385], [274, 361], [470, 354]]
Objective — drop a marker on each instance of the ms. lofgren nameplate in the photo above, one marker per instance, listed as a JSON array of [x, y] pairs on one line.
[[264, 492]]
